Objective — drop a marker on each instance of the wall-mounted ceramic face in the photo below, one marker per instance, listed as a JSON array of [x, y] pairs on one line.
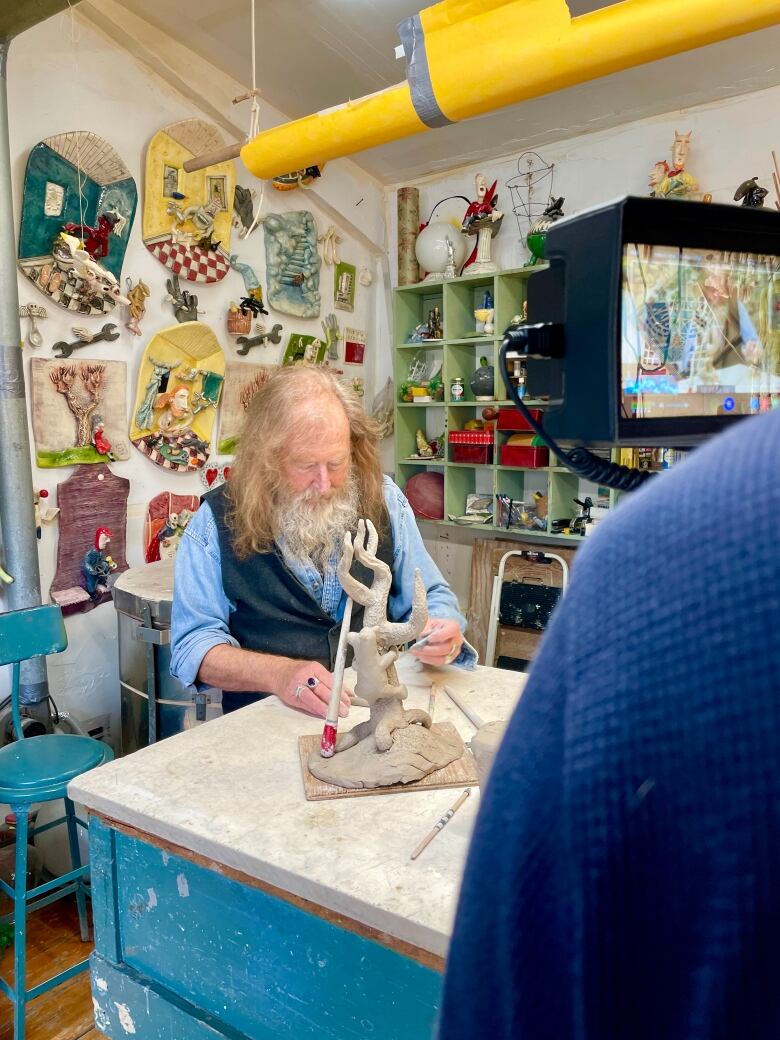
[[292, 263], [77, 184], [179, 385], [187, 220]]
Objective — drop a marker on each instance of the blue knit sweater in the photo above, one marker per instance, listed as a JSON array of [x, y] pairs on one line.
[[624, 877]]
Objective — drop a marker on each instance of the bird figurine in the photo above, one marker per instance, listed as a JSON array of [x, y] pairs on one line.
[[751, 193]]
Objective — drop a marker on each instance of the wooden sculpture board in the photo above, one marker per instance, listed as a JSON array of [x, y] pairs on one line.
[[91, 497], [462, 773]]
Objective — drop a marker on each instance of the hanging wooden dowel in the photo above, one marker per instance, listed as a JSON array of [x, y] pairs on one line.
[[219, 155]]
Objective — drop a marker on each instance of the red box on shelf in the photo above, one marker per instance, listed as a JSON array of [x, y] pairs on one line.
[[512, 419], [524, 455], [472, 446]]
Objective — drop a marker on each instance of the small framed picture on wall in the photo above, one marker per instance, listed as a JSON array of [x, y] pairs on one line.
[[354, 346], [344, 287]]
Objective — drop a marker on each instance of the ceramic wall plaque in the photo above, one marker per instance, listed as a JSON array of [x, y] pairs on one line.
[[344, 287], [354, 346], [179, 386], [79, 411], [304, 348], [242, 381], [187, 218], [292, 263], [76, 182], [166, 521], [90, 499]]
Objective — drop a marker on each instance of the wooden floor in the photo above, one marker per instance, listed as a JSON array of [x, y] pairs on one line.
[[53, 943]]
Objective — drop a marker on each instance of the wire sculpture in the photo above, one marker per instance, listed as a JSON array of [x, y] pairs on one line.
[[530, 191]]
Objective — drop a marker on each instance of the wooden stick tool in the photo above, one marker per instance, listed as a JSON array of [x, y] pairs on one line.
[[330, 730], [471, 715], [441, 824]]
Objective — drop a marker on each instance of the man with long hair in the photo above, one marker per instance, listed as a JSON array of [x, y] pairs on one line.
[[257, 604]]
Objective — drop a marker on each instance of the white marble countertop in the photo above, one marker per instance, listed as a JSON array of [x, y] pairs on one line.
[[231, 790]]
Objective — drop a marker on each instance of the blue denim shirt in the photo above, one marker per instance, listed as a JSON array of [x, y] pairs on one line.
[[201, 610]]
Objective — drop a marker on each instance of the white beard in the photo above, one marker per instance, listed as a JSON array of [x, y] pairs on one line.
[[311, 527]]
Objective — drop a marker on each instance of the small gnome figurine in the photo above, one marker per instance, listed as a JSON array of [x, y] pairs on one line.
[[97, 564], [99, 439], [44, 514]]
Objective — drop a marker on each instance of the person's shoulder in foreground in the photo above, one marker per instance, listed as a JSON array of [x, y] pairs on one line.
[[622, 883]]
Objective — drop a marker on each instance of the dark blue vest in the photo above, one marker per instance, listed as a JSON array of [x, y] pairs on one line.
[[275, 613]]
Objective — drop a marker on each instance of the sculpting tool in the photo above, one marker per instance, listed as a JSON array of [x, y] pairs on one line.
[[472, 716], [432, 700], [330, 730], [425, 639], [441, 824]]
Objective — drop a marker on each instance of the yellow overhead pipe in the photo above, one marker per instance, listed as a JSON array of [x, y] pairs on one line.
[[469, 57]]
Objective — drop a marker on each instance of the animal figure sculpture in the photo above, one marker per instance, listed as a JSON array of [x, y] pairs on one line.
[[96, 242], [137, 295], [395, 744]]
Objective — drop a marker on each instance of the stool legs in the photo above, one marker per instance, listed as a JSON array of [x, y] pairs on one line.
[[75, 859], [20, 920]]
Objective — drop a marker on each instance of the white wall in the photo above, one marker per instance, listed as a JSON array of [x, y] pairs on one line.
[[732, 140], [55, 85]]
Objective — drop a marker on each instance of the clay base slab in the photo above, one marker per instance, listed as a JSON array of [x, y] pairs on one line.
[[462, 773]]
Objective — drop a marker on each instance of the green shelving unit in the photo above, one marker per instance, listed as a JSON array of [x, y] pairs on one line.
[[460, 355]]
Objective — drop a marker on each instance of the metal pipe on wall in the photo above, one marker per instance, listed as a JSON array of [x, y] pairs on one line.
[[17, 511]]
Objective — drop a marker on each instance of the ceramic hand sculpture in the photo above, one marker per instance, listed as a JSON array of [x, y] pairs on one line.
[[394, 745]]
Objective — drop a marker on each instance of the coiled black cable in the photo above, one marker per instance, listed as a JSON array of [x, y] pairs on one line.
[[578, 460]]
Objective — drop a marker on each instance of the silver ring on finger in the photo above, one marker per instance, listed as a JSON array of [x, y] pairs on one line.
[[300, 689], [312, 681]]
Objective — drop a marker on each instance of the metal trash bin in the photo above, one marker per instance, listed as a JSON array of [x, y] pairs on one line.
[[143, 597]]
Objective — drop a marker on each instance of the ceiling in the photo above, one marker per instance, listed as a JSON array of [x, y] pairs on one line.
[[313, 54]]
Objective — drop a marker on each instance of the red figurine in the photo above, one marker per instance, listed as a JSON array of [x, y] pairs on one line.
[[99, 439], [97, 240], [482, 208]]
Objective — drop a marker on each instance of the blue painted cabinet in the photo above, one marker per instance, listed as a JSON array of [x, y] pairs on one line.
[[184, 951]]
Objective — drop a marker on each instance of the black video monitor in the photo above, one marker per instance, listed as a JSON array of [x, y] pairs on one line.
[[670, 316]]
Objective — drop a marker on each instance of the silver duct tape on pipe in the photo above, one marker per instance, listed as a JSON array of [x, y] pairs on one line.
[[418, 73], [17, 512]]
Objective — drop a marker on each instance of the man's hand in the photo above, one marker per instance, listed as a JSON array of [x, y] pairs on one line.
[[443, 646], [306, 686]]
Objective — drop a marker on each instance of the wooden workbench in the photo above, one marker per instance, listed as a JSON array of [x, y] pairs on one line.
[[226, 906]]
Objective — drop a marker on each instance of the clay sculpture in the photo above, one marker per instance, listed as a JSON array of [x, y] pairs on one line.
[[395, 745]]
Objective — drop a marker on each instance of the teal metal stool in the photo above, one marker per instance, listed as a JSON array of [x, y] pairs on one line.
[[38, 769]]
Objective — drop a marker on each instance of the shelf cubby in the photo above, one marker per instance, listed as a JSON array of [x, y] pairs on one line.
[[460, 351]]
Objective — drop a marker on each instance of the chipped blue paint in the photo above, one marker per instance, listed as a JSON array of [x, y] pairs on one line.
[[183, 951]]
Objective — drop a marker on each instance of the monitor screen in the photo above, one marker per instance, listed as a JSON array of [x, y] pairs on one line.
[[700, 333]]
